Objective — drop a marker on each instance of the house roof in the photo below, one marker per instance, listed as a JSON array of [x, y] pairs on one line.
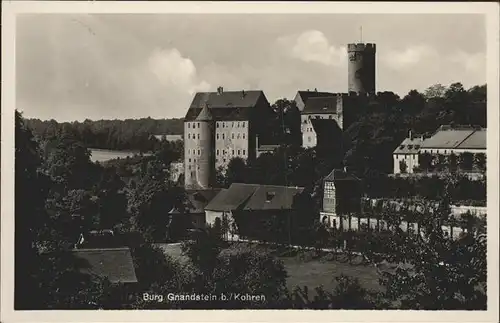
[[268, 197], [475, 141], [447, 138], [199, 199], [114, 263], [340, 175], [230, 105], [254, 197], [306, 95], [231, 198], [327, 128], [268, 147], [409, 146], [205, 114], [326, 104]]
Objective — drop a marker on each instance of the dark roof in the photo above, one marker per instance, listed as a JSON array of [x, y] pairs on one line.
[[328, 128], [475, 141], [409, 146], [340, 175], [306, 95], [231, 198], [114, 263], [269, 197], [198, 200], [327, 104], [227, 105], [205, 114], [457, 138], [254, 197]]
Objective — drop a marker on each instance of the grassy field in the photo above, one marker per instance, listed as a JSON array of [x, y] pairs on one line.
[[309, 272]]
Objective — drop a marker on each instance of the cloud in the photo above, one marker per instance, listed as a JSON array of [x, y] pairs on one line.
[[472, 62], [313, 46], [407, 58], [172, 69]]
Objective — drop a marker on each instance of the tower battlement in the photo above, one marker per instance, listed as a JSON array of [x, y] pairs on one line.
[[361, 47]]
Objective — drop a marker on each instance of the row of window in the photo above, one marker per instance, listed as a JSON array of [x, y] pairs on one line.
[[234, 124], [238, 136], [240, 152], [233, 136], [219, 124]]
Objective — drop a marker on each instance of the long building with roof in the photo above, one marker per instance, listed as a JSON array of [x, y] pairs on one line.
[[219, 126], [446, 140]]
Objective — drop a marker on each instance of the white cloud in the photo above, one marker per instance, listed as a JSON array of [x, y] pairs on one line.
[[474, 63], [313, 46], [407, 58], [172, 69]]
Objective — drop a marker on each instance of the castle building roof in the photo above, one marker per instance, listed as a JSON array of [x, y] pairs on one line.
[[225, 105], [340, 175], [318, 105], [306, 95]]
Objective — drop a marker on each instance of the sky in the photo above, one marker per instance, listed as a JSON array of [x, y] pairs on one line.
[[117, 66]]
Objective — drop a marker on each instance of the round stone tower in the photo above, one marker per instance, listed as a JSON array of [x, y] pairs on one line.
[[361, 68], [205, 164]]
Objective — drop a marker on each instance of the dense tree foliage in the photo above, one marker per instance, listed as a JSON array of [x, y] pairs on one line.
[[129, 134]]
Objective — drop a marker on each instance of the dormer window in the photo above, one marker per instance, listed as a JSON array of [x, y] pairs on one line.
[[402, 147], [270, 196]]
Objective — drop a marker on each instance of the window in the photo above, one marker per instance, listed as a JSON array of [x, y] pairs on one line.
[[445, 151], [189, 136], [217, 125], [238, 125], [309, 139], [243, 124], [199, 152], [198, 124], [189, 159], [232, 135], [223, 124], [244, 152], [238, 136], [243, 135], [225, 152], [239, 152], [217, 152], [217, 136], [330, 117], [198, 136], [189, 125], [224, 160], [189, 167], [194, 160], [232, 124], [223, 136], [232, 152]]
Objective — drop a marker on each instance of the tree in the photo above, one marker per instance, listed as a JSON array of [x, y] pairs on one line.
[[236, 172], [435, 91], [425, 161], [465, 161], [480, 161]]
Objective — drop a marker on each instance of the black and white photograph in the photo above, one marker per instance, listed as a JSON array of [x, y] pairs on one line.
[[282, 158]]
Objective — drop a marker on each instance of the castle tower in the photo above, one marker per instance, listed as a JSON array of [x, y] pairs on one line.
[[205, 163], [361, 68]]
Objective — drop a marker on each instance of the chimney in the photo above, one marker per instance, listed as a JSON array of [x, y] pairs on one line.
[[315, 90], [243, 93], [410, 135], [220, 89]]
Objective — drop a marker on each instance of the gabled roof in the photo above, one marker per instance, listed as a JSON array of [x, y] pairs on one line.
[[198, 200], [447, 138], [231, 198], [409, 146], [114, 263], [248, 197], [340, 175], [328, 128], [306, 95], [269, 197], [327, 104], [475, 141]]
